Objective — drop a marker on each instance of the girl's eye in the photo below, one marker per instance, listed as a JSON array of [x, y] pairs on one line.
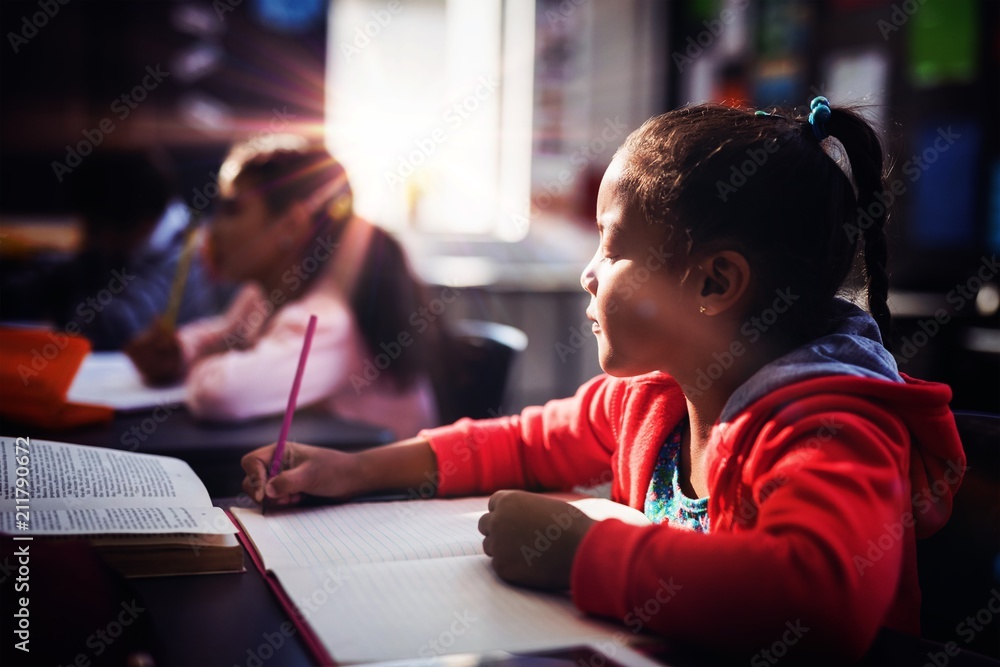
[[611, 258]]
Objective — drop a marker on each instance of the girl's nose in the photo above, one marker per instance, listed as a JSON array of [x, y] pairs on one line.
[[588, 279]]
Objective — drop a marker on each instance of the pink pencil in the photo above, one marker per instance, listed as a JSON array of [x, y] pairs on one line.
[[279, 449]]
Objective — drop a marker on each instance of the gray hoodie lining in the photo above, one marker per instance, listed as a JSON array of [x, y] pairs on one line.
[[852, 347]]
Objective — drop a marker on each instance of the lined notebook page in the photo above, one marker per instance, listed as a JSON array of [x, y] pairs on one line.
[[378, 532], [366, 532], [422, 608]]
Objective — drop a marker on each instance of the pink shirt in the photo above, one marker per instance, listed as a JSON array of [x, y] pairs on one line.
[[242, 364]]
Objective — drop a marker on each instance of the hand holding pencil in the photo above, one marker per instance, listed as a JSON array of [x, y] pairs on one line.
[[282, 472], [157, 355], [305, 470], [156, 352], [277, 458]]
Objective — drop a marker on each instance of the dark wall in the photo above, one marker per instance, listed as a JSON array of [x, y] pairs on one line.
[[63, 78]]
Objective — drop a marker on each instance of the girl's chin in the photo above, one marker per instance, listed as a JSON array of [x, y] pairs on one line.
[[620, 370]]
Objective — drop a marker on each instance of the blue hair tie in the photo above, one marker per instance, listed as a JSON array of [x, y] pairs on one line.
[[819, 116]]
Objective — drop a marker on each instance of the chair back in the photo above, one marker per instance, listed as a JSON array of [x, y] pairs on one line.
[[959, 566], [476, 368]]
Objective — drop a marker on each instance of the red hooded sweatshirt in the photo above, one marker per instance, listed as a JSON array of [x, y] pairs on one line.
[[818, 490]]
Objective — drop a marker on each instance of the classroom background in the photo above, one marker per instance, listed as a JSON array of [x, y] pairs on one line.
[[477, 131]]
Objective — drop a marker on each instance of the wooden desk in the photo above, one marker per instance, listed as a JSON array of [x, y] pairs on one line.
[[212, 449], [220, 619]]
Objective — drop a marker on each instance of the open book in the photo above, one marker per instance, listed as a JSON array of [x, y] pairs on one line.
[[147, 515], [408, 579]]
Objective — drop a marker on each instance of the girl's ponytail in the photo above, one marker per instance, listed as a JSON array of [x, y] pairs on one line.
[[864, 152]]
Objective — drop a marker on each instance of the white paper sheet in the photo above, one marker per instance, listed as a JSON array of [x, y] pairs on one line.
[[110, 379]]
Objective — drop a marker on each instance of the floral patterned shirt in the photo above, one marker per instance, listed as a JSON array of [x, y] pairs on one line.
[[664, 500]]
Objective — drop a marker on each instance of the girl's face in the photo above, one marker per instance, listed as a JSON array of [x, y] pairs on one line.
[[643, 312], [244, 242]]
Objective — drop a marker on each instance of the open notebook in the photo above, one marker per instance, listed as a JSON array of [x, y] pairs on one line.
[[408, 579]]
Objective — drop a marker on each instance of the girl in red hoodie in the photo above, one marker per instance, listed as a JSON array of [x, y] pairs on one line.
[[755, 417]]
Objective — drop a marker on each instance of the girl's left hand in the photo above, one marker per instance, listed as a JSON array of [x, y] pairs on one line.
[[532, 539], [156, 353]]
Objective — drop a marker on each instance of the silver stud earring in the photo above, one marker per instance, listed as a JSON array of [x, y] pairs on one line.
[[702, 310]]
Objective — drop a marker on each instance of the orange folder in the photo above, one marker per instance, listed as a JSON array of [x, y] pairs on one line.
[[36, 370]]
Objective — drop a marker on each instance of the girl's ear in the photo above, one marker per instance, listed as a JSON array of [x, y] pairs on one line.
[[725, 280], [294, 222]]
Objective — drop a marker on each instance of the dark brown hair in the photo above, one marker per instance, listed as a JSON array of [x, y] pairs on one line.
[[385, 293], [763, 184]]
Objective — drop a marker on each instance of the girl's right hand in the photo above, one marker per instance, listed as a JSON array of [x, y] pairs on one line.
[[313, 470]]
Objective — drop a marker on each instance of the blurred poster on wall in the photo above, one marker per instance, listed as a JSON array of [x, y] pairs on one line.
[[942, 169], [859, 79], [944, 41]]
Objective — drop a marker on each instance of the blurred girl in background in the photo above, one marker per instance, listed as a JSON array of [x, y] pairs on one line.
[[286, 229]]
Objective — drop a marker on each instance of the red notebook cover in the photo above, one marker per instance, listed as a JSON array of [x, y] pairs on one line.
[[309, 637]]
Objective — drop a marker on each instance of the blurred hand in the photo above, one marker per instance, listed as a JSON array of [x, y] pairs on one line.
[[532, 539], [156, 353], [307, 469]]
